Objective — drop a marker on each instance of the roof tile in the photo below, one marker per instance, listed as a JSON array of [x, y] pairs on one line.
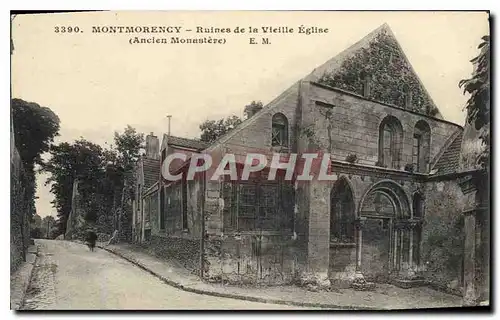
[[448, 163], [187, 143]]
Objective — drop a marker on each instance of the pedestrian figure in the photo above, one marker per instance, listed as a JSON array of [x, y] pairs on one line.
[[91, 239]]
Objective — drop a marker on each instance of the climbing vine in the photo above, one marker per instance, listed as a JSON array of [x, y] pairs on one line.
[[391, 75]]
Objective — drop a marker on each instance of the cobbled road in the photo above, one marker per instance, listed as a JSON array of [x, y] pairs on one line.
[[68, 276]]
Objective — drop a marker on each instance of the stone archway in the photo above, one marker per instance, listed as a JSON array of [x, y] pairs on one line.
[[384, 240]]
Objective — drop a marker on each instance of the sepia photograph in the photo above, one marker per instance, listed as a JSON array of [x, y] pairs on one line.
[[250, 160]]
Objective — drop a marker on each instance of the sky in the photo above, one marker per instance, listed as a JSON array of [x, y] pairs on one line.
[[97, 83]]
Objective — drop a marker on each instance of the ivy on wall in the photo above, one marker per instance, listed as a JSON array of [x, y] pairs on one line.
[[391, 75]]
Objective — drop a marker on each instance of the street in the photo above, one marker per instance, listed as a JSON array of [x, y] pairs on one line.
[[68, 276]]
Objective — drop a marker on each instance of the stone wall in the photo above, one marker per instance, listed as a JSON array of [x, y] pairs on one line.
[[266, 259], [182, 249], [443, 236], [346, 124], [20, 213]]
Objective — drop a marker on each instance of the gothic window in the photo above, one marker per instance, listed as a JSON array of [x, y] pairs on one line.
[[279, 130], [418, 205], [342, 213], [417, 143], [421, 146], [257, 204], [390, 140]]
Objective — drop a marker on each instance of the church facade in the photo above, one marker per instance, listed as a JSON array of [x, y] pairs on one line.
[[391, 213]]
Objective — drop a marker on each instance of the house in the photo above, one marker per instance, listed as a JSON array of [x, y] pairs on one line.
[[146, 189], [391, 213]]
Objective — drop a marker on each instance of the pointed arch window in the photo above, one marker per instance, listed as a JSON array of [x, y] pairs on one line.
[[279, 130], [418, 206], [342, 213], [390, 142]]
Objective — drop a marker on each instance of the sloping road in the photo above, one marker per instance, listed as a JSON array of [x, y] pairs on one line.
[[68, 276]]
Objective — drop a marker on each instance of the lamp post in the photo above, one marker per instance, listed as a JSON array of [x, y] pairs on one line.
[[169, 117]]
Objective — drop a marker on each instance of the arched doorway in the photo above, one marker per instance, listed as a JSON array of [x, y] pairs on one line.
[[383, 245]]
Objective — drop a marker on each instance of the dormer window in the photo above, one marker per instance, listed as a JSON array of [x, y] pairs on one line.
[[279, 130]]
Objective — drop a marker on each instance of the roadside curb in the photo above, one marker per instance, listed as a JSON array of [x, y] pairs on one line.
[[235, 296], [22, 278]]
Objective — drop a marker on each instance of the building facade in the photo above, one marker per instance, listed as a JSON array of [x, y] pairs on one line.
[[391, 213]]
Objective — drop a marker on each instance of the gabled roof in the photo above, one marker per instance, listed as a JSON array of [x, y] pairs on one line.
[[186, 143], [449, 160], [183, 142], [331, 66], [382, 57]]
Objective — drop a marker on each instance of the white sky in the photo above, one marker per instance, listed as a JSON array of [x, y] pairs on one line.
[[99, 83]]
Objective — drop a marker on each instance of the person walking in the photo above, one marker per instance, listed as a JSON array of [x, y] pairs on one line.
[[91, 239]]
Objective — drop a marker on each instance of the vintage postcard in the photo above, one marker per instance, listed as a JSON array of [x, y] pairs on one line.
[[237, 160]]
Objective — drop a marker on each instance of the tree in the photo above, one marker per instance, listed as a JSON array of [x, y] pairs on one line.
[[100, 174], [35, 128], [82, 160], [36, 227], [478, 105], [253, 108], [48, 224], [211, 130], [128, 146], [36, 221]]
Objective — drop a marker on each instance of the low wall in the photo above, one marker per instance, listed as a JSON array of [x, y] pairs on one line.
[[251, 259], [182, 249]]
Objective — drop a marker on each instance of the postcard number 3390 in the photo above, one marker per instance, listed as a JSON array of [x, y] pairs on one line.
[[63, 29]]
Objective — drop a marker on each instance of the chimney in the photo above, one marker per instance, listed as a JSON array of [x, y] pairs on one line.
[[366, 84], [152, 146]]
